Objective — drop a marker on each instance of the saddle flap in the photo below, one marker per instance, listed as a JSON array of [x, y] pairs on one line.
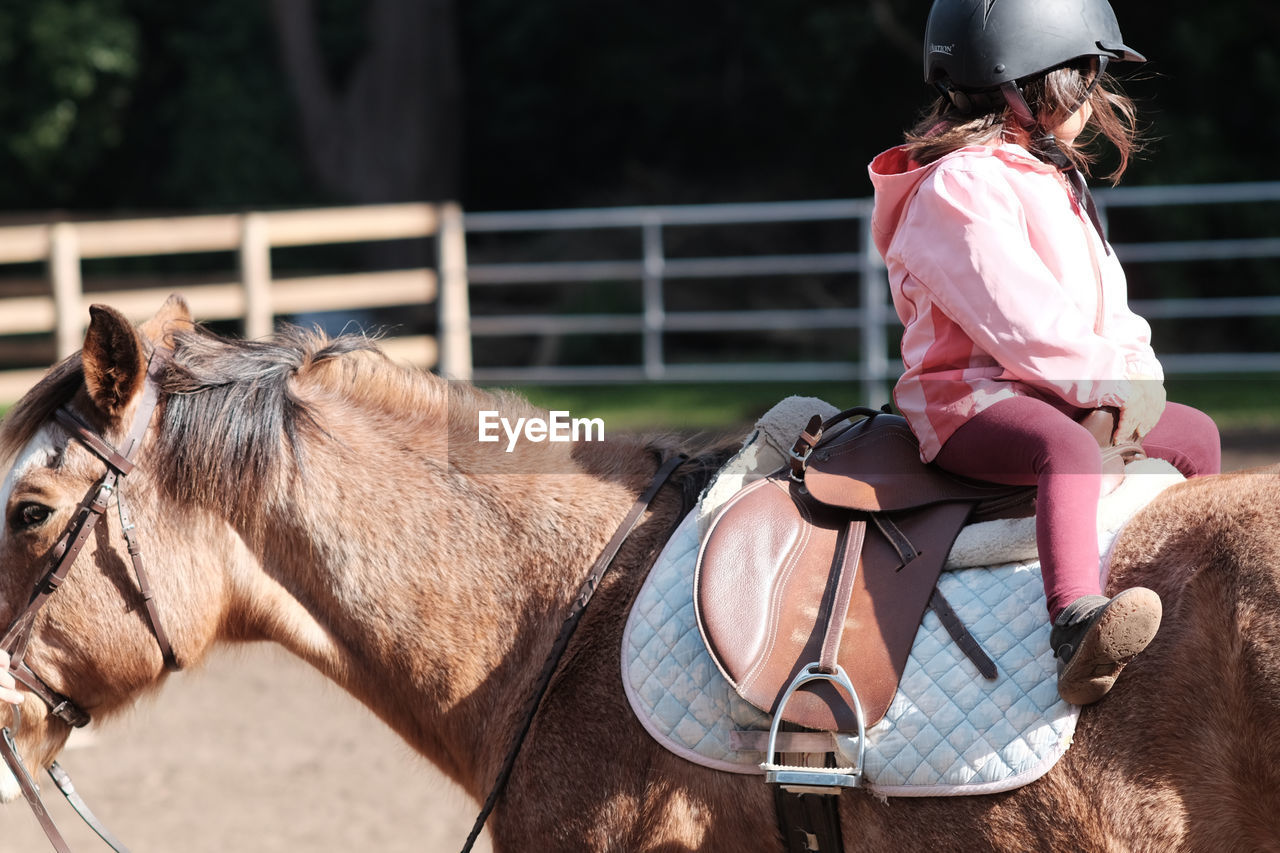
[[875, 466], [764, 591]]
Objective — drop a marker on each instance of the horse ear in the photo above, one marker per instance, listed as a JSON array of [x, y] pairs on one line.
[[172, 316], [115, 364]]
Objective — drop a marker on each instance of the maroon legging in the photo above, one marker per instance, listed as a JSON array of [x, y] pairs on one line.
[[1025, 441]]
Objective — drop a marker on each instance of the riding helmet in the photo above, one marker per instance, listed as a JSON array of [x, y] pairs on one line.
[[974, 46]]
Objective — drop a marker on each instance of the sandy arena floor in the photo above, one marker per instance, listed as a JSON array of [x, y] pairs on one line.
[[254, 753]]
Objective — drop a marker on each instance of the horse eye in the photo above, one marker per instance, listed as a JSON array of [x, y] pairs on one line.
[[30, 515]]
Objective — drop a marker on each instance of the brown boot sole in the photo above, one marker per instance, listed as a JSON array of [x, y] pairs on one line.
[[1127, 626]]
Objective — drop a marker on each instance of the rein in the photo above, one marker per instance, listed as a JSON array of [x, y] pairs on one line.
[[62, 556], [588, 588]]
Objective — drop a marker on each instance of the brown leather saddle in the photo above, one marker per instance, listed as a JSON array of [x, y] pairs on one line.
[[827, 567]]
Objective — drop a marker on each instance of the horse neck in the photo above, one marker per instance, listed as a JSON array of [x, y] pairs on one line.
[[429, 579]]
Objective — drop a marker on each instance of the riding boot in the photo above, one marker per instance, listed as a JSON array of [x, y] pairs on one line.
[[1094, 637]]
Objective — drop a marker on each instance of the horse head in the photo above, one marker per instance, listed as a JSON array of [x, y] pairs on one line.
[[90, 641], [297, 489]]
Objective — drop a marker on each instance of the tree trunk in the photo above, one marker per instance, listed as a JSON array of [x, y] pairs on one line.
[[392, 132]]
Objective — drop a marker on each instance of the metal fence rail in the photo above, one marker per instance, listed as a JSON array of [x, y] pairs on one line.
[[871, 317], [653, 268], [255, 297]]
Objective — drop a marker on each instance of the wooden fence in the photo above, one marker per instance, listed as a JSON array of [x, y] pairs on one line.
[[255, 298], [56, 306]]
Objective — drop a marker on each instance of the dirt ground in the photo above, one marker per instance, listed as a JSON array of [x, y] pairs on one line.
[[256, 753]]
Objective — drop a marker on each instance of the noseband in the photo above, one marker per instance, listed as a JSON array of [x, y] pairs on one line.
[[62, 556]]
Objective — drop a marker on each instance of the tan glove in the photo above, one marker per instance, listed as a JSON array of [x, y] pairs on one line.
[[1140, 412]]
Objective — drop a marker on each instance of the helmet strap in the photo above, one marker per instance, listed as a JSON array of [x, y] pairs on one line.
[[1085, 199], [1046, 147], [1043, 143], [1021, 109]]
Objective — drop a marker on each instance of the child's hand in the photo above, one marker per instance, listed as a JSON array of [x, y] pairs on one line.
[[8, 687], [1140, 413]]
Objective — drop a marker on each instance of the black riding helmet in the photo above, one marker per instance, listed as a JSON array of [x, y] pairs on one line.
[[976, 51]]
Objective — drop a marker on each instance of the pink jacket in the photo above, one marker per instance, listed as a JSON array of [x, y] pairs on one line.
[[1003, 288]]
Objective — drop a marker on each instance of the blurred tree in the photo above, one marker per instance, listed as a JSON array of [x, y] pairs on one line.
[[68, 68], [577, 101], [151, 103], [386, 127]]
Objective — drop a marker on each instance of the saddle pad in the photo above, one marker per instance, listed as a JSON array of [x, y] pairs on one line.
[[948, 730]]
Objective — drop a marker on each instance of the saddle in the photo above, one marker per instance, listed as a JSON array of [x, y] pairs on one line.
[[818, 575]]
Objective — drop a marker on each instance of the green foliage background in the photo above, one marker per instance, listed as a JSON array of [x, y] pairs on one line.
[[152, 104]]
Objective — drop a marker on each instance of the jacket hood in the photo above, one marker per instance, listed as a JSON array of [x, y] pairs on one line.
[[896, 177]]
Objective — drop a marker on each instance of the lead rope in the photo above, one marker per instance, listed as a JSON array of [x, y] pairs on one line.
[[9, 752], [63, 780], [601, 565]]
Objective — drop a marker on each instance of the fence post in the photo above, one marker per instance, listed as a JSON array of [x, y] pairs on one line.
[[654, 307], [455, 302], [64, 275], [875, 344], [255, 276]]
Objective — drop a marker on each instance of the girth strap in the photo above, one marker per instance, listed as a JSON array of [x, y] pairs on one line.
[[809, 823], [965, 641]]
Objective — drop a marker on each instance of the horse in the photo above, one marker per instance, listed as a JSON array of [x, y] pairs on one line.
[[310, 492]]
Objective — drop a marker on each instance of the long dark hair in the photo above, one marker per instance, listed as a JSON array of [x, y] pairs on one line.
[[1053, 98]]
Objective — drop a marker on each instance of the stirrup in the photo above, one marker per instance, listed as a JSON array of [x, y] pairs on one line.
[[815, 780]]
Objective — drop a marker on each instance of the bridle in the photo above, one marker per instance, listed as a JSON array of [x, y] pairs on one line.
[[62, 556]]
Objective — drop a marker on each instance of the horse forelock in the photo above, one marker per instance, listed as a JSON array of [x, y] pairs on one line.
[[233, 422], [37, 406]]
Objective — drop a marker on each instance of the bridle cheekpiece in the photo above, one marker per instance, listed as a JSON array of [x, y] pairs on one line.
[[94, 505]]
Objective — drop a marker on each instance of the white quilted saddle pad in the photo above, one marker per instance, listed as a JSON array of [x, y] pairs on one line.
[[949, 731]]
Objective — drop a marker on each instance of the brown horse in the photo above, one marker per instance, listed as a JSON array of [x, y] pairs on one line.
[[310, 492]]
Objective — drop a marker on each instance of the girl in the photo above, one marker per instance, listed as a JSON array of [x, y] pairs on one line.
[[1014, 307]]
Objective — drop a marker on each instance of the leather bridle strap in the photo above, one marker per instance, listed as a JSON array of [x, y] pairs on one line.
[[91, 509], [601, 565], [9, 752], [62, 556], [171, 662], [59, 706], [63, 780]]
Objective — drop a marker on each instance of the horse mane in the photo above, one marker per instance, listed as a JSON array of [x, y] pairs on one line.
[[37, 406], [234, 422], [232, 417]]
